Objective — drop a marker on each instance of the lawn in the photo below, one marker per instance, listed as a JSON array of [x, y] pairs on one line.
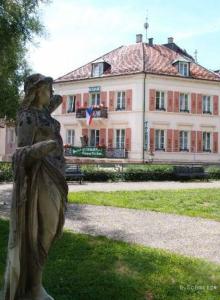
[[82, 267], [192, 202]]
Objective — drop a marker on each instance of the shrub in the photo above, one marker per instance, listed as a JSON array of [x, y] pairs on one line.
[[213, 172], [152, 172], [6, 171]]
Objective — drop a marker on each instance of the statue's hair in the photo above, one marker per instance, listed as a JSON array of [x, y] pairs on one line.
[[31, 96]]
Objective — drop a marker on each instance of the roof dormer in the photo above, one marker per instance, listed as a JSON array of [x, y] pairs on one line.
[[99, 67], [183, 66]]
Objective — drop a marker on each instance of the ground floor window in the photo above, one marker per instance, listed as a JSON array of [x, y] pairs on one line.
[[11, 135], [206, 141], [120, 138], [70, 136], [159, 139], [184, 144], [94, 138]]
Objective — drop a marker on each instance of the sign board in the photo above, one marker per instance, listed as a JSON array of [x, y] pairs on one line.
[[84, 152], [94, 89]]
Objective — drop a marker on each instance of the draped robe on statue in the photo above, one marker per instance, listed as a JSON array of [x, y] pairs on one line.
[[39, 196]]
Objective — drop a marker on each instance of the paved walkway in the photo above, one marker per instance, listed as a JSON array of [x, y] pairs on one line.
[[137, 186], [189, 236], [129, 186]]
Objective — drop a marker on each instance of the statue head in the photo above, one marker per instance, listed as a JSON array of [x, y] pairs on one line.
[[38, 91]]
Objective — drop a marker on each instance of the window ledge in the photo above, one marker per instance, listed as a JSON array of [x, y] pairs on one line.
[[184, 150], [207, 112], [120, 108], [184, 110], [161, 109]]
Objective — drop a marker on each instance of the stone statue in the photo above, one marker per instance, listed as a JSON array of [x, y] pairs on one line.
[[39, 191]]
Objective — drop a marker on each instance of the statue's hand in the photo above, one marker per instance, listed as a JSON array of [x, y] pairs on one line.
[[41, 149], [56, 100]]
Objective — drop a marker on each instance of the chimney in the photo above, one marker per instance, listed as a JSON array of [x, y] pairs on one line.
[[150, 41], [170, 40], [139, 38]]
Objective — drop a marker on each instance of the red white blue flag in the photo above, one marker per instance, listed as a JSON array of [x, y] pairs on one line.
[[89, 115]]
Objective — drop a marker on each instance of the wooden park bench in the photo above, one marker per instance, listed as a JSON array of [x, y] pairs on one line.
[[190, 172], [73, 172]]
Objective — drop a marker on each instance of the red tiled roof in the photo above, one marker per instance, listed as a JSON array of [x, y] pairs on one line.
[[141, 57]]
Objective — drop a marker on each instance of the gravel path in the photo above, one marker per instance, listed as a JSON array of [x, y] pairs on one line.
[[135, 186], [185, 235]]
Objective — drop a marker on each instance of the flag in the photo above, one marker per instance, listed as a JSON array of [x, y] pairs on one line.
[[89, 115]]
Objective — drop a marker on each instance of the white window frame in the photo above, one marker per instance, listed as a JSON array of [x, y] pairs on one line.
[[160, 140], [70, 136], [207, 107], [96, 137], [97, 69], [184, 140], [71, 107], [120, 105], [184, 68], [162, 100], [183, 100], [206, 142], [120, 138], [95, 99]]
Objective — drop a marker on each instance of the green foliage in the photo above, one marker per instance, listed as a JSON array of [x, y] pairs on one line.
[[129, 173], [214, 172], [19, 24], [6, 171], [84, 267]]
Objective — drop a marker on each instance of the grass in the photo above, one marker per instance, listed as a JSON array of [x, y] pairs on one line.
[[82, 267], [203, 203]]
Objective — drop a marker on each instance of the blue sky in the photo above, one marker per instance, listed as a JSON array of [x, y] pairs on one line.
[[79, 31]]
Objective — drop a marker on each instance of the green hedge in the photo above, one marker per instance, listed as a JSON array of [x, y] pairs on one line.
[[129, 173], [214, 172], [5, 171]]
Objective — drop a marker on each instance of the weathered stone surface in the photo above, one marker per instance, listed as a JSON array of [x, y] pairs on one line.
[[39, 191]]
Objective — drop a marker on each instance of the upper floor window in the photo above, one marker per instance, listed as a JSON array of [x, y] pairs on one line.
[[184, 68], [71, 104], [206, 104], [184, 141], [160, 100], [120, 101], [184, 102], [95, 98], [159, 139], [120, 138], [94, 137], [206, 141], [70, 136]]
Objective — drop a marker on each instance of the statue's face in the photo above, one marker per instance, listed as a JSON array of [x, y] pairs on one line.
[[44, 94]]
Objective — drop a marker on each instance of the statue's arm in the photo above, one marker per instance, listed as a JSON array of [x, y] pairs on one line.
[[55, 102]]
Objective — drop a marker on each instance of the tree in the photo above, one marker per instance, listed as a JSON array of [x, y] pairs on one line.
[[19, 24]]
